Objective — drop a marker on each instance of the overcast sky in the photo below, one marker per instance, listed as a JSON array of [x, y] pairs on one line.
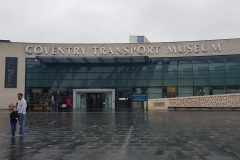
[[112, 21]]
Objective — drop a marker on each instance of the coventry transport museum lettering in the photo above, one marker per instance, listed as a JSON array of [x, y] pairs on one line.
[[126, 50]]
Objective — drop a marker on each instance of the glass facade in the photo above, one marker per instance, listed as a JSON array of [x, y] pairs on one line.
[[158, 78]]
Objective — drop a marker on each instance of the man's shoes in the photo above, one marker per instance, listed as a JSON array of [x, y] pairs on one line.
[[20, 135]]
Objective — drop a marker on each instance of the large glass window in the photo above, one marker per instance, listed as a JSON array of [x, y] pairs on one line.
[[161, 77], [77, 68], [34, 68], [154, 93], [77, 75], [109, 69], [95, 69], [50, 68], [233, 81], [217, 74], [140, 75], [233, 65], [154, 75], [185, 91], [169, 75], [49, 75], [34, 75], [215, 90], [201, 67], [169, 67], [233, 89], [154, 82], [139, 82], [233, 73], [217, 66], [170, 82], [185, 67], [185, 74], [109, 76], [185, 82], [201, 74], [201, 82], [217, 81], [80, 83], [64, 75], [124, 69], [200, 91], [94, 75], [154, 68]]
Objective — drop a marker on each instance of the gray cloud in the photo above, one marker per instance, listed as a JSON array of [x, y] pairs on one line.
[[112, 21]]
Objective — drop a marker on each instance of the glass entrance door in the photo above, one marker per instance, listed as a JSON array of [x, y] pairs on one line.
[[124, 99], [95, 100], [80, 100]]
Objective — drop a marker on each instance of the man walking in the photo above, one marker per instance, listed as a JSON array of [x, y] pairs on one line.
[[21, 108]]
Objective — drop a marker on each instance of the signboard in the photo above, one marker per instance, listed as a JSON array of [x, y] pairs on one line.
[[130, 49], [11, 72], [36, 90], [137, 105], [139, 98]]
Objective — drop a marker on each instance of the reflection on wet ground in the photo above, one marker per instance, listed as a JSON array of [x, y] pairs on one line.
[[124, 135]]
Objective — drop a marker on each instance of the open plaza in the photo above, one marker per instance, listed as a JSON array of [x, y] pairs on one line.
[[171, 135]]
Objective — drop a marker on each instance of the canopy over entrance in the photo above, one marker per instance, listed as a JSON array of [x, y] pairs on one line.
[[56, 59]]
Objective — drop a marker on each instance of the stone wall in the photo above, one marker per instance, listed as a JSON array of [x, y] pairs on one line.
[[226, 100]]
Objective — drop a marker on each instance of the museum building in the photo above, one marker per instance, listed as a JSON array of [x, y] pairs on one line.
[[118, 75]]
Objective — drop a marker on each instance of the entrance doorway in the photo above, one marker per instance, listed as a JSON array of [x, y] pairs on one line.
[[124, 99], [95, 100]]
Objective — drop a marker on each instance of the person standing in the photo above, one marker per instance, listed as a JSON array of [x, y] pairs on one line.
[[13, 120], [21, 109], [68, 104], [53, 103]]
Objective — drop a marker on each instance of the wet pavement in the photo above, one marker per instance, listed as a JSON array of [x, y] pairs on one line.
[[171, 135]]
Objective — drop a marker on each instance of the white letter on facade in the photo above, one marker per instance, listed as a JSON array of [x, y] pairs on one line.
[[196, 48], [54, 50], [150, 51], [60, 50], [120, 51], [203, 50], [36, 50], [83, 50], [126, 50], [214, 48], [144, 50], [102, 50], [69, 50], [180, 50], [75, 50], [27, 50], [110, 51], [190, 48], [133, 49], [157, 49], [47, 50], [173, 50], [95, 50]]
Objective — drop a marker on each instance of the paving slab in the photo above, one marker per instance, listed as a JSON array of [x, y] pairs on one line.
[[172, 135]]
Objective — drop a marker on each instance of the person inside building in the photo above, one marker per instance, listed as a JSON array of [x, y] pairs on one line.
[[53, 103], [69, 104]]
